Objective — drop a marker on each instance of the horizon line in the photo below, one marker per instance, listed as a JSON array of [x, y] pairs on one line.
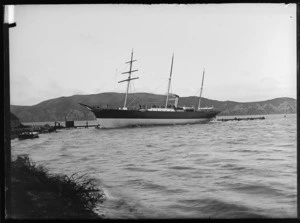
[[149, 93]]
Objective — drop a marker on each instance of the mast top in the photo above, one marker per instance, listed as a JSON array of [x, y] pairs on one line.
[[129, 77], [169, 81], [201, 89]]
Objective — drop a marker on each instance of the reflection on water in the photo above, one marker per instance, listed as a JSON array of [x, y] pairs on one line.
[[218, 170]]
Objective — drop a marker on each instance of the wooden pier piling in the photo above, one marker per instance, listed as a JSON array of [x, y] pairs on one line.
[[240, 119]]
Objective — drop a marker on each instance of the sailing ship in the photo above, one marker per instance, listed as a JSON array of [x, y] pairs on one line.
[[143, 116]]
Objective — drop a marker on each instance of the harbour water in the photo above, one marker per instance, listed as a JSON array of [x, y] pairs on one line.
[[234, 169]]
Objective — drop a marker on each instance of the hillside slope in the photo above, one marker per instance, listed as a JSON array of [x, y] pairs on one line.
[[59, 108]]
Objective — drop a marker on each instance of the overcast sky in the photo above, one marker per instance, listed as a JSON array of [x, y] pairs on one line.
[[248, 50]]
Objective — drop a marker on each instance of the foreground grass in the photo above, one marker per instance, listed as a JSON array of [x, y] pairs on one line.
[[36, 194]]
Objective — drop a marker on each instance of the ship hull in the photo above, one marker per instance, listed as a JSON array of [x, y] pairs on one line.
[[123, 122], [112, 118]]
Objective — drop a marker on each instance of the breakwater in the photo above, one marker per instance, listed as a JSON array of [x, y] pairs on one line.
[[241, 119]]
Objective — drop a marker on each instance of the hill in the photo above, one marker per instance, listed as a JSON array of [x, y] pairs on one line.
[[67, 107]]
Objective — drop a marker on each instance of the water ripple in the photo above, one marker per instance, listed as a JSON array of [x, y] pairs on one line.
[[217, 170]]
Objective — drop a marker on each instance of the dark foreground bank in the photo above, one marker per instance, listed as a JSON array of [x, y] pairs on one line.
[[37, 194]]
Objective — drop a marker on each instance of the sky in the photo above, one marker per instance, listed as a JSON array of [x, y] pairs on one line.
[[248, 51]]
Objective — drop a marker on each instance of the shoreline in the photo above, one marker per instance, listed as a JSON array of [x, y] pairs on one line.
[[38, 194]]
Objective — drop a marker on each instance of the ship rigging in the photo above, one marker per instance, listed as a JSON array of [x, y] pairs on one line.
[[124, 117]]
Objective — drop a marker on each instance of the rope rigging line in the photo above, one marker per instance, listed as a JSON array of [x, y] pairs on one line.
[[147, 89], [163, 81]]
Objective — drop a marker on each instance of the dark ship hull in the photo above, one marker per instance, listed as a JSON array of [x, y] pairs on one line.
[[124, 117], [117, 118]]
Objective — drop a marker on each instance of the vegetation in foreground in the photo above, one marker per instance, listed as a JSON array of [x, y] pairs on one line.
[[37, 194]]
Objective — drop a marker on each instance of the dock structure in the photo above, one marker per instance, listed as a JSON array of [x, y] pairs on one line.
[[85, 126], [240, 119], [71, 124]]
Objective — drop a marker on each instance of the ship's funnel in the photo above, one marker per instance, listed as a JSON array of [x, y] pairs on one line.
[[176, 100]]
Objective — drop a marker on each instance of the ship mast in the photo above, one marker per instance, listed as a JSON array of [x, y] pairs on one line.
[[201, 89], [129, 77], [169, 81]]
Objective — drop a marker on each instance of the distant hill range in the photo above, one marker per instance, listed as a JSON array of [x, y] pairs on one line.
[[67, 107]]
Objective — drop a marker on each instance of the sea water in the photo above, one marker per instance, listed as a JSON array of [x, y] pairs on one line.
[[233, 169]]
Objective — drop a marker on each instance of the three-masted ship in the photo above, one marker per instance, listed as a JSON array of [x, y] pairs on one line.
[[167, 115]]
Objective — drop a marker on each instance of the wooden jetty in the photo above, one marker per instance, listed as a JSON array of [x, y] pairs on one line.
[[71, 124], [240, 119], [85, 126]]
